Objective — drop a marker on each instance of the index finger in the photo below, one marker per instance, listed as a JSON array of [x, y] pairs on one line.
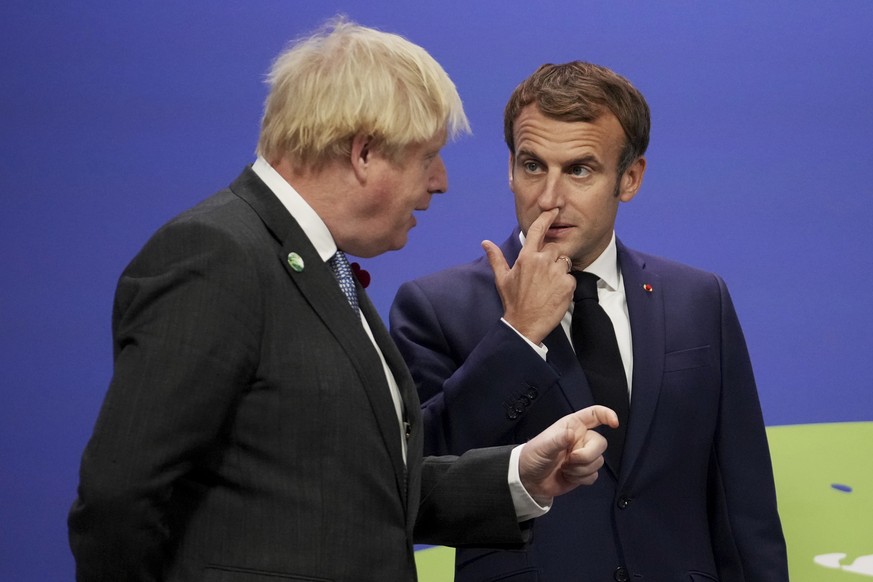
[[597, 415], [536, 232]]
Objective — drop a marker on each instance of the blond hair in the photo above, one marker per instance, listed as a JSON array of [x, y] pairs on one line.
[[346, 80]]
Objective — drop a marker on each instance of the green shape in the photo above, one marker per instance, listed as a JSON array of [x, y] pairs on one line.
[[818, 519], [808, 459], [295, 261]]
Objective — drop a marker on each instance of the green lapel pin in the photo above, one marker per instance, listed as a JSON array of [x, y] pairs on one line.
[[295, 261]]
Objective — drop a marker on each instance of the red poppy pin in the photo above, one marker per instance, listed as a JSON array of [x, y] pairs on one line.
[[362, 275]]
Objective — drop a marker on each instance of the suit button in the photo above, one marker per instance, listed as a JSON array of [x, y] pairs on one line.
[[623, 502], [511, 414], [620, 574], [532, 393]]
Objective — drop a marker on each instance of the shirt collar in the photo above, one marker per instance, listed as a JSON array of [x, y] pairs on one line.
[[605, 266], [313, 226]]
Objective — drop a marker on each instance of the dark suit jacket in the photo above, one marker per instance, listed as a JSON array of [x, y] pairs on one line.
[[248, 432], [695, 498]]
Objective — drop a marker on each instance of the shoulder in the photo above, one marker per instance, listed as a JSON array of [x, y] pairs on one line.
[[218, 234], [223, 215], [458, 290], [462, 275], [682, 286], [632, 260]]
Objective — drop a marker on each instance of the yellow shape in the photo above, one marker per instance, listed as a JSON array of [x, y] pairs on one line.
[[436, 564]]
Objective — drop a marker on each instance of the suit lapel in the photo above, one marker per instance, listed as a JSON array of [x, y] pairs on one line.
[[573, 382], [646, 313], [561, 356], [381, 394], [318, 285], [392, 355]]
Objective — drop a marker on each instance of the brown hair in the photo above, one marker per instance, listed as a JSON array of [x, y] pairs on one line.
[[580, 91]]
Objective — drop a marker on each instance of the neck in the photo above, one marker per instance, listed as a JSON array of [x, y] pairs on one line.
[[326, 188]]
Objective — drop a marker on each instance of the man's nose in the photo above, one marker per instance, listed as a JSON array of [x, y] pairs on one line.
[[551, 195], [439, 179]]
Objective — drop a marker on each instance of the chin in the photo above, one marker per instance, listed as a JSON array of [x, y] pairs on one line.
[[399, 244], [393, 245]]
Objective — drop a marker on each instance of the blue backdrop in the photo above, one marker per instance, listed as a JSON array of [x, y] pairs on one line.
[[118, 115]]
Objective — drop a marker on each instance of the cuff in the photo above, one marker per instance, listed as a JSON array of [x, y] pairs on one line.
[[525, 506], [541, 349]]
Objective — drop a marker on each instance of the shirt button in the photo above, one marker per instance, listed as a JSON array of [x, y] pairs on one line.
[[620, 574], [623, 502]]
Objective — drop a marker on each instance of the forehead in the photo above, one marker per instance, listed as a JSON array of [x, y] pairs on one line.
[[537, 134]]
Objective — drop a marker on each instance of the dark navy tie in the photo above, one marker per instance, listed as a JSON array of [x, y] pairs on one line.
[[597, 349]]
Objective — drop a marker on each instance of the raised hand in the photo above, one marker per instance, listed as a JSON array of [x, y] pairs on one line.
[[565, 455], [537, 290]]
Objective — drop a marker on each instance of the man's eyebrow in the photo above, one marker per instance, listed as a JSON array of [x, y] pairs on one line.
[[583, 159], [525, 153]]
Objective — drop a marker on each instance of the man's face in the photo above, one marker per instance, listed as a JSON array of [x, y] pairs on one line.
[[396, 190], [571, 166]]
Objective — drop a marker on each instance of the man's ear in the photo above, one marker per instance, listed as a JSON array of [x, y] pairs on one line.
[[361, 155], [631, 180]]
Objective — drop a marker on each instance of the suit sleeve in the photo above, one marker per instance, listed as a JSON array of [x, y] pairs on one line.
[[475, 376], [185, 338], [742, 490], [465, 501]]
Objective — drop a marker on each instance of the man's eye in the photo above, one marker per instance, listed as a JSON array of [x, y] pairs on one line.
[[579, 171], [531, 166]]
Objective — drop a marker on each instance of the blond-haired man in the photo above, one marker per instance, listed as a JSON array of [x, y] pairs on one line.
[[260, 424]]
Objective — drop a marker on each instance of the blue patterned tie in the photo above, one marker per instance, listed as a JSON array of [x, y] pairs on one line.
[[343, 273]]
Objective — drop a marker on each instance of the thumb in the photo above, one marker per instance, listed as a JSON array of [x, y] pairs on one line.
[[562, 440], [545, 450], [495, 258]]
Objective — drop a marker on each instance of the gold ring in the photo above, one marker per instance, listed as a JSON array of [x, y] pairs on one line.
[[567, 260]]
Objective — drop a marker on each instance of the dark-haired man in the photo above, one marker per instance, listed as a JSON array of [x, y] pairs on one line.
[[500, 348]]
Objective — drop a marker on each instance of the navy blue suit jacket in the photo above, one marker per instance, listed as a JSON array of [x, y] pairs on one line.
[[695, 498]]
